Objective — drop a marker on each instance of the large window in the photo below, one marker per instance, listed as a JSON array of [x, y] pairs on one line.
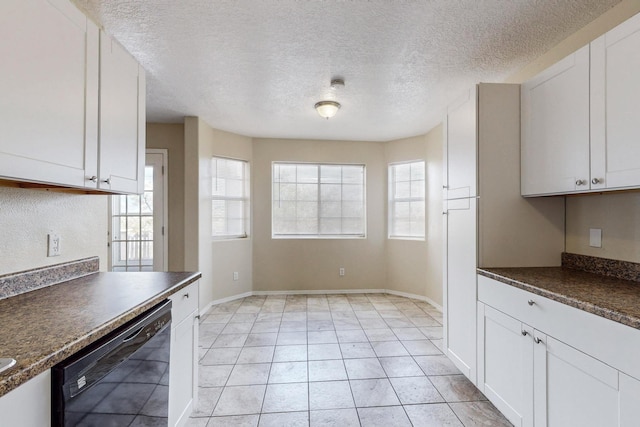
[[312, 200], [230, 198], [406, 200]]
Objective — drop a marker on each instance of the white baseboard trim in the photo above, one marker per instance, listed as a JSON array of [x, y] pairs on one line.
[[321, 292], [414, 296], [223, 300]]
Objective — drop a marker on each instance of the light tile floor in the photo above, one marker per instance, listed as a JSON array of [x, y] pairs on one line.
[[331, 360]]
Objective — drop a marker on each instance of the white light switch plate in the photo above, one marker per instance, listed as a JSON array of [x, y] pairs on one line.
[[595, 237]]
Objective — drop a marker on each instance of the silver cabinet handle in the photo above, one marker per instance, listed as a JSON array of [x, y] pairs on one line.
[[197, 317], [537, 340], [596, 181], [93, 178], [185, 295], [525, 333], [444, 213], [107, 181], [531, 302], [581, 182]]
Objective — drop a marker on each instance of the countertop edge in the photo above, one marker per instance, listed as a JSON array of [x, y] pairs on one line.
[[583, 305], [20, 375]]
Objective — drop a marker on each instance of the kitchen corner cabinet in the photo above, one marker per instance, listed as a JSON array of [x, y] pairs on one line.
[[183, 375], [72, 104], [29, 405], [537, 379], [580, 118]]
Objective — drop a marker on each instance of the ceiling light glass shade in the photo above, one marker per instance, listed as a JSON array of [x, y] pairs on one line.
[[327, 109]]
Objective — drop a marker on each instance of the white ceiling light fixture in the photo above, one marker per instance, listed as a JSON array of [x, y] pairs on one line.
[[327, 109]]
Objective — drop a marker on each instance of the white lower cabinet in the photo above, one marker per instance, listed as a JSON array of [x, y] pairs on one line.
[[183, 377], [28, 405], [537, 380], [505, 364]]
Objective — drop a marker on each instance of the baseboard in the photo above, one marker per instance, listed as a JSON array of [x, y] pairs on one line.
[[414, 296], [223, 300], [321, 292]]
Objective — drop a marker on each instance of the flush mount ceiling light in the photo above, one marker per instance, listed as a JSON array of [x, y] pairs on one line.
[[327, 108]]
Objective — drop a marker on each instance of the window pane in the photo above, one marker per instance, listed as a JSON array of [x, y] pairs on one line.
[[406, 200], [133, 204], [148, 178], [146, 228], [147, 203], [300, 212], [230, 197]]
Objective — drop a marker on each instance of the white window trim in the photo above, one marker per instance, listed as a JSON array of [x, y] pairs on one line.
[[247, 207], [391, 201], [322, 236]]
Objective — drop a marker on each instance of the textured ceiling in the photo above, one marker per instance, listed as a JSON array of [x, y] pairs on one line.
[[257, 67]]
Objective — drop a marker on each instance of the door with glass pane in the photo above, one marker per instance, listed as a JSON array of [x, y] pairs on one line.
[[137, 235]]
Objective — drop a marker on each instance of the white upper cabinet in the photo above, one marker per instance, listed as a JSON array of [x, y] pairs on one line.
[[555, 128], [580, 127], [72, 104], [460, 148], [122, 119], [49, 93], [615, 109]]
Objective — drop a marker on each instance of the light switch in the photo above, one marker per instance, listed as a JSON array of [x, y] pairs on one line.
[[595, 237]]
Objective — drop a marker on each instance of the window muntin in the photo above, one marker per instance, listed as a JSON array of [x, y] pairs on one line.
[[317, 200], [229, 198], [406, 200]]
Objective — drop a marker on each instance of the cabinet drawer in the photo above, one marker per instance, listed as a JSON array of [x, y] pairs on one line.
[[184, 302], [611, 342]]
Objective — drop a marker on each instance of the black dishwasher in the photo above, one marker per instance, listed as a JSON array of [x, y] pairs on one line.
[[121, 380]]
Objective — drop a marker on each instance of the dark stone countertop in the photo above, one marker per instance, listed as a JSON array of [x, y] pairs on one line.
[[43, 327], [608, 297]]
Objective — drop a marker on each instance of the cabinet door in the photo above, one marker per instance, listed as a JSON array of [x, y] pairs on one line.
[[555, 128], [505, 364], [572, 388], [460, 150], [29, 405], [49, 87], [629, 401], [460, 282], [183, 372], [615, 87], [122, 119]]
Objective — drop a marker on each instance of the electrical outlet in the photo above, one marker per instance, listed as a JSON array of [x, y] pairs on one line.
[[595, 237], [53, 245], [235, 275], [341, 271]]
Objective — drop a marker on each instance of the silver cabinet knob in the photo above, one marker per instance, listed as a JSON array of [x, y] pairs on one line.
[[92, 178], [581, 182], [444, 187], [185, 296], [107, 181], [444, 213], [537, 340], [531, 302], [525, 333], [596, 181]]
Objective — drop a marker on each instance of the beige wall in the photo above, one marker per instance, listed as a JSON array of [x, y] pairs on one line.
[[434, 231], [405, 259], [215, 259], [27, 216], [616, 214], [171, 138], [306, 264]]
